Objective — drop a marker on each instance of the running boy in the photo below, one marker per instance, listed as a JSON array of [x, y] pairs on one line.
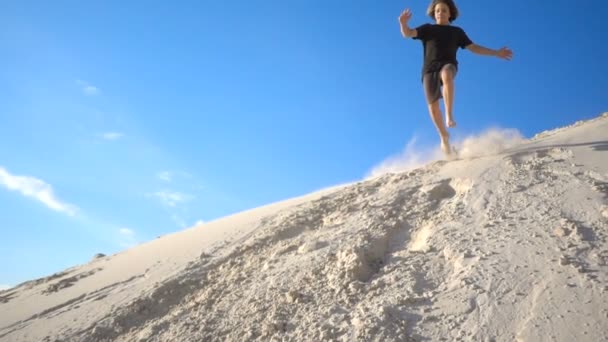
[[441, 42]]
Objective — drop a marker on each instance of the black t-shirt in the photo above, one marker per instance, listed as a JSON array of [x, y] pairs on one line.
[[441, 42]]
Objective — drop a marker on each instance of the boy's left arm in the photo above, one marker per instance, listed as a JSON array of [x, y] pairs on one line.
[[504, 52]]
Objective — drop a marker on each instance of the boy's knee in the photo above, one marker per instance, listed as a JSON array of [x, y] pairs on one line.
[[447, 74]]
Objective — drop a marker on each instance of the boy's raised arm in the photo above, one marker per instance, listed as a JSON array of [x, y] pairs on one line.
[[404, 18], [504, 52]]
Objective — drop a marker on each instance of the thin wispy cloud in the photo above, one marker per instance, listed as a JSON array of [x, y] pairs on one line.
[[179, 221], [175, 202], [165, 176], [112, 135], [91, 90], [4, 287], [171, 198], [126, 232], [36, 189], [199, 222], [174, 176], [87, 88], [127, 237]]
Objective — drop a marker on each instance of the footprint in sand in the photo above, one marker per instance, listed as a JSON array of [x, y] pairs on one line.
[[597, 182], [572, 228], [419, 242], [70, 281], [440, 191]]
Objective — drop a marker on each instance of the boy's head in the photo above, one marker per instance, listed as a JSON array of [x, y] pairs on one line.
[[443, 11]]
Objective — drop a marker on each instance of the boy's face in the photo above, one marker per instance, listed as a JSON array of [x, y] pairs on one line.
[[442, 14]]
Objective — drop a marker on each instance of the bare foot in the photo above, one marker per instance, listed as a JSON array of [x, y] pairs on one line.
[[445, 149], [445, 145], [450, 123]]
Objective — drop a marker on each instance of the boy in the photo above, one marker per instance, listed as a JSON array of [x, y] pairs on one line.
[[441, 42]]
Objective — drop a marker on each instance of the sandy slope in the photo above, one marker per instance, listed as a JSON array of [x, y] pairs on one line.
[[508, 247]]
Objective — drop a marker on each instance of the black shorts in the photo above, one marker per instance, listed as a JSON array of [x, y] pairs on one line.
[[432, 83]]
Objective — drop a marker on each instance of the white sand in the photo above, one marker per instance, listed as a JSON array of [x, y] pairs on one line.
[[506, 247]]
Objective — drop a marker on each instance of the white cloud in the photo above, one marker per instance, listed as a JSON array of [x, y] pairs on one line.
[[126, 232], [4, 287], [165, 176], [176, 176], [112, 135], [35, 188], [179, 221], [127, 237], [88, 89], [199, 222], [170, 198], [492, 141]]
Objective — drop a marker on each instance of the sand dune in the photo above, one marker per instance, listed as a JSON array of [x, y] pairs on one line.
[[510, 246]]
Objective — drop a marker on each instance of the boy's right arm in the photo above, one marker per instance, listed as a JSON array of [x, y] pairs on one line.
[[404, 18]]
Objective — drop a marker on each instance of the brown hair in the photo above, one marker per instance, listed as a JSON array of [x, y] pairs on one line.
[[453, 9]]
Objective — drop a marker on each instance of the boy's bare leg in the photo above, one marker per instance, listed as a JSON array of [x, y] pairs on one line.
[[447, 77], [435, 112]]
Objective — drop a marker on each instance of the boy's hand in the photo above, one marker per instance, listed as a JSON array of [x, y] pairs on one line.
[[405, 16], [504, 53]]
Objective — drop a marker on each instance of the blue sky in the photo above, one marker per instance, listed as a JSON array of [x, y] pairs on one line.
[[124, 121]]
